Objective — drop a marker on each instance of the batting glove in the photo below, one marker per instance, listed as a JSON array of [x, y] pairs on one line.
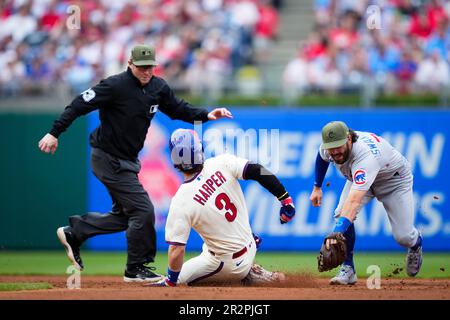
[[258, 240], [287, 210]]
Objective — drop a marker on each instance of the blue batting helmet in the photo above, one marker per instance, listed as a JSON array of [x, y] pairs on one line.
[[186, 150]]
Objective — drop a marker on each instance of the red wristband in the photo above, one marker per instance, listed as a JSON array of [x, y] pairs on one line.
[[287, 201]]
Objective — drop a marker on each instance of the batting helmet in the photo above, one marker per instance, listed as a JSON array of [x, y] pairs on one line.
[[186, 150]]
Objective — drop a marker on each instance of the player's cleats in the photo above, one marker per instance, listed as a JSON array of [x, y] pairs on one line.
[[414, 259], [141, 273], [346, 276], [71, 245], [161, 283], [259, 275]]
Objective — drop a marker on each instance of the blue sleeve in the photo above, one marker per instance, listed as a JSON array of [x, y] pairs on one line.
[[320, 170]]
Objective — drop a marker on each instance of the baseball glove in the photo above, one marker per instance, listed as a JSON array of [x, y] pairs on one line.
[[333, 252]]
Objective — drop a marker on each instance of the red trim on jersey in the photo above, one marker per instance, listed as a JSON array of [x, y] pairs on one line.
[[193, 178], [176, 243], [245, 169], [376, 137]]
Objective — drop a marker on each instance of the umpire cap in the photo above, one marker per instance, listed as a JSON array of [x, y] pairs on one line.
[[143, 55], [334, 134]]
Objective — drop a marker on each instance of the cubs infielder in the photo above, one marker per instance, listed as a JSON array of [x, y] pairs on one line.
[[212, 203], [373, 168]]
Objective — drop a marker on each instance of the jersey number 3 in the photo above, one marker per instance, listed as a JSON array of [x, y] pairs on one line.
[[223, 201]]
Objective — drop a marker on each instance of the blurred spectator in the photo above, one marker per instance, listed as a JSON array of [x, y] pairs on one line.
[[383, 57], [278, 4], [19, 24], [383, 60], [244, 13], [226, 31], [342, 54], [433, 73], [407, 7], [249, 81], [266, 30], [435, 12], [356, 7], [358, 68], [51, 18], [243, 16], [79, 75], [322, 10], [405, 72], [420, 25], [206, 76], [295, 77], [38, 71], [317, 44], [12, 77], [440, 40], [345, 35], [324, 73]]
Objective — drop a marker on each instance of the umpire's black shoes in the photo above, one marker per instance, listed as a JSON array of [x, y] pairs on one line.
[[71, 245], [141, 273]]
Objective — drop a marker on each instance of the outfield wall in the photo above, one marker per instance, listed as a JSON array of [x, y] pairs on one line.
[[39, 191], [286, 141]]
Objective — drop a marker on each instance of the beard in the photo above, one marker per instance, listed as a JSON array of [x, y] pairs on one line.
[[341, 158]]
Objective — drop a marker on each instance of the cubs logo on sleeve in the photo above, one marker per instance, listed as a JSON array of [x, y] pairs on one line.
[[359, 177]]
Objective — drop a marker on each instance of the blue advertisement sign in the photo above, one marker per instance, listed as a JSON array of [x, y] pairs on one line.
[[286, 141]]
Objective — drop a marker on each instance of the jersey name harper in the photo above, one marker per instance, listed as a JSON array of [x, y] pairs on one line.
[[209, 187], [212, 204]]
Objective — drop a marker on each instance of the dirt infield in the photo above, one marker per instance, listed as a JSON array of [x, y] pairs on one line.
[[299, 287]]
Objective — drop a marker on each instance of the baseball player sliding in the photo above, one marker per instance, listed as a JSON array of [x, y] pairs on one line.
[[373, 168], [212, 203]]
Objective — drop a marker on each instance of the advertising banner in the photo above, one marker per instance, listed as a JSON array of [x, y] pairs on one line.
[[286, 141]]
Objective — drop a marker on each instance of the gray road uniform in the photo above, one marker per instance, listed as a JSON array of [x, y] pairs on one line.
[[376, 167]]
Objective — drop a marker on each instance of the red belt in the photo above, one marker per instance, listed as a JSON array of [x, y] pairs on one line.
[[239, 253], [236, 254]]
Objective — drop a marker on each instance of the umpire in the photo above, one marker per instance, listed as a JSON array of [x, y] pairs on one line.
[[127, 103]]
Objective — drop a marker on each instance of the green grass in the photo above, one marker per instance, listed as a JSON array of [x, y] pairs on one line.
[[13, 286], [435, 265], [388, 263]]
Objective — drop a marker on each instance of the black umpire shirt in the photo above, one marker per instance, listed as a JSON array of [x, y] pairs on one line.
[[126, 109]]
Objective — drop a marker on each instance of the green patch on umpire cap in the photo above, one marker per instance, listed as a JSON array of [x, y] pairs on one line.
[[334, 134], [143, 55]]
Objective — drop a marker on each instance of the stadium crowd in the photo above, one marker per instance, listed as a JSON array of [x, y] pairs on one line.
[[200, 44], [395, 46]]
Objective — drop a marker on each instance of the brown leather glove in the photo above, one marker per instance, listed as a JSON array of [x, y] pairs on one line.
[[333, 252]]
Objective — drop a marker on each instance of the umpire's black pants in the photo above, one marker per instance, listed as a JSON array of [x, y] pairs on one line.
[[132, 209]]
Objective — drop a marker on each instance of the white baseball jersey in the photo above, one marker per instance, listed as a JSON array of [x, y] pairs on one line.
[[212, 203], [372, 161]]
